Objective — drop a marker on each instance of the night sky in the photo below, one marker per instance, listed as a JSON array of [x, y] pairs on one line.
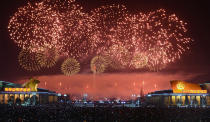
[[194, 65]]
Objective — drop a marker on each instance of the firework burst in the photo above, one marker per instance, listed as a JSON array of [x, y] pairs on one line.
[[159, 35], [139, 61], [47, 57], [119, 53], [106, 19], [28, 60], [35, 25], [98, 64], [144, 40], [70, 67], [77, 28]]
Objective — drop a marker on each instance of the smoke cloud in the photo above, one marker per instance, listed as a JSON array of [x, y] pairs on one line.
[[121, 85]]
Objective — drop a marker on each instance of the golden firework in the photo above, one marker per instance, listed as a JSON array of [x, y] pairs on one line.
[[70, 67], [139, 61], [158, 59], [47, 57], [119, 56], [98, 64], [28, 60]]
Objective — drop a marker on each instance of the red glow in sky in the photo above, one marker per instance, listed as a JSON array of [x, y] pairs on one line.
[[110, 85]]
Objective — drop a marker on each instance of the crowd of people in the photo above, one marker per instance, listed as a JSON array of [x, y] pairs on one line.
[[68, 113]]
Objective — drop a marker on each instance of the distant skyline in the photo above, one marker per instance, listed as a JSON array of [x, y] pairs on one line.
[[194, 64]]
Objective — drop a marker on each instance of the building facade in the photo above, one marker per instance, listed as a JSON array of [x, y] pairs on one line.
[[11, 93], [183, 94]]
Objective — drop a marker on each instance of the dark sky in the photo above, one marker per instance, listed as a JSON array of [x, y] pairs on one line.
[[196, 13]]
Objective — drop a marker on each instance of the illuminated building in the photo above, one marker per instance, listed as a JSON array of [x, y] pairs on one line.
[[26, 94], [183, 94]]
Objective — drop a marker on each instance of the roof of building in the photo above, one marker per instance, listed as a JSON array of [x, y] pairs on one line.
[[4, 84], [162, 91], [9, 84]]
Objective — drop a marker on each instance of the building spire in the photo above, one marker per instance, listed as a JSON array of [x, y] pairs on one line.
[[142, 90]]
